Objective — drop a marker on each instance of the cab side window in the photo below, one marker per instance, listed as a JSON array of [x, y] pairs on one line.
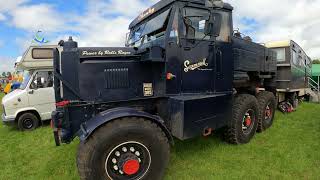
[[226, 30], [195, 21], [43, 79]]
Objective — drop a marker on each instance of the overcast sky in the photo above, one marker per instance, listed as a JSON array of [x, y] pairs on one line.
[[105, 22]]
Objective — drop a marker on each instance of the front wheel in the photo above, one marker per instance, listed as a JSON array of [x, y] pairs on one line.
[[129, 148], [28, 122]]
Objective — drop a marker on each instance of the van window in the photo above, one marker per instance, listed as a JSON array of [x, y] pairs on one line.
[[295, 59], [42, 53], [42, 79], [281, 54]]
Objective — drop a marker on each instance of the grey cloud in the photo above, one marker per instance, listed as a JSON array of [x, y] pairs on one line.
[[6, 64], [282, 20]]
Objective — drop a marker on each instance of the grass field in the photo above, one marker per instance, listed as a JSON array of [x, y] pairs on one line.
[[289, 150]]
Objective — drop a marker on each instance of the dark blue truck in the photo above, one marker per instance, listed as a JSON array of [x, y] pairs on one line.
[[182, 73]]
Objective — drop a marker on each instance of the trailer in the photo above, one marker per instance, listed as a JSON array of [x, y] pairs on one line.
[[181, 74], [293, 71]]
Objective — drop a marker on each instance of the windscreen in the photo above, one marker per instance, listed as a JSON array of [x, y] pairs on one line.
[[146, 29], [26, 79]]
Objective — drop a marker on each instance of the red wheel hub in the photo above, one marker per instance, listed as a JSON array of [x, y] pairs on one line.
[[248, 121], [268, 113], [131, 167]]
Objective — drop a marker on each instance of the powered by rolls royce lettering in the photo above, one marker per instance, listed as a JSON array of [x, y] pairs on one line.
[[105, 53]]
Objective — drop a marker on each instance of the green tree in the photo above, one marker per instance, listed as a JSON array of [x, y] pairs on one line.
[[8, 74], [4, 74], [316, 61]]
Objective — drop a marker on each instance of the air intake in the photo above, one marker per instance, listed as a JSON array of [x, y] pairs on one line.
[[116, 78]]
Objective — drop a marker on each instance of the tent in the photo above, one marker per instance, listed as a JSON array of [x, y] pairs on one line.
[[316, 73]]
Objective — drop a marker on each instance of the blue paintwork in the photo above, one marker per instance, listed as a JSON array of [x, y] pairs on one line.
[[109, 115]]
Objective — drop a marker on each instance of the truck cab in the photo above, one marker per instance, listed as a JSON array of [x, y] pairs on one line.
[[33, 101]]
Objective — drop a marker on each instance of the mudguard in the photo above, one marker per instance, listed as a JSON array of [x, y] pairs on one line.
[[90, 126]]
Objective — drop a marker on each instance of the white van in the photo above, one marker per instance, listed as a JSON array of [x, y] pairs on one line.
[[34, 101]]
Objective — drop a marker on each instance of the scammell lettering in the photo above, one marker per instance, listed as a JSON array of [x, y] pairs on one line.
[[192, 67], [146, 13]]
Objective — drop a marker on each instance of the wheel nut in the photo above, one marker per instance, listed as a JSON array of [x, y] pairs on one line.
[[137, 153], [139, 160], [117, 153], [124, 149], [115, 167], [120, 172], [114, 160], [132, 149]]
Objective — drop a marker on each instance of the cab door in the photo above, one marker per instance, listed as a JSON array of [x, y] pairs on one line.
[[197, 53], [41, 93]]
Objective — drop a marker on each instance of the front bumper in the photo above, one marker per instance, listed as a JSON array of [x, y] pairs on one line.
[[9, 121]]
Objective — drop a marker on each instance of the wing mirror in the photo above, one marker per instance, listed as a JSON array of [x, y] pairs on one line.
[[191, 31], [213, 25]]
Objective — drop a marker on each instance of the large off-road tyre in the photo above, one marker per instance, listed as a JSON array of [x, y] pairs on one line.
[[28, 122], [128, 148], [244, 123], [267, 106]]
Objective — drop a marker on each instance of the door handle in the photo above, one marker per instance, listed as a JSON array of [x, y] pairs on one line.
[[31, 92], [171, 43], [219, 61], [187, 48]]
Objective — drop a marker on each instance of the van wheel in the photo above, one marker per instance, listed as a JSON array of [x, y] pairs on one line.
[[267, 105], [128, 148], [28, 122], [244, 123]]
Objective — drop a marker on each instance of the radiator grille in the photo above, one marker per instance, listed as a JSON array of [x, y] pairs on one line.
[[116, 78]]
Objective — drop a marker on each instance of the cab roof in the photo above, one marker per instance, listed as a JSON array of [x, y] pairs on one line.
[[164, 3]]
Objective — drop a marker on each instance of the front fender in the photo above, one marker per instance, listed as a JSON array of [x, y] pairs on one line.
[[90, 126], [21, 110]]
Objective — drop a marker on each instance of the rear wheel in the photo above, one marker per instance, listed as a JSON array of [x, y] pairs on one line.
[[267, 106], [244, 121], [28, 122], [293, 99], [129, 148]]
